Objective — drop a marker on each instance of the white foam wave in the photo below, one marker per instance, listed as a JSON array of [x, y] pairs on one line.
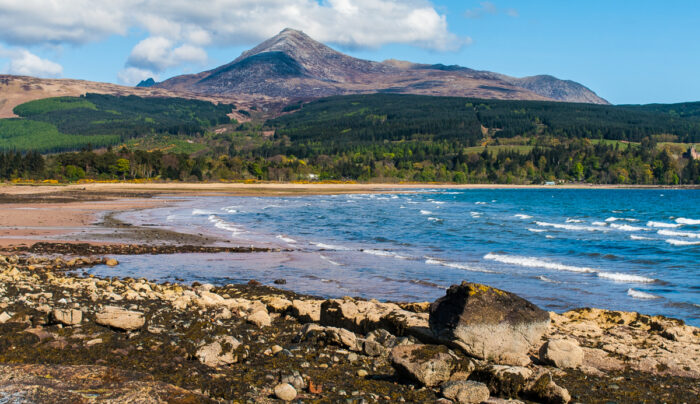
[[599, 224], [626, 227], [330, 261], [330, 246], [524, 217], [480, 203], [201, 212], [475, 214], [286, 239], [384, 253], [616, 219], [455, 265], [549, 237], [570, 227], [682, 242], [633, 237], [426, 212], [691, 222], [619, 277], [223, 225], [531, 262], [435, 219], [545, 279], [574, 221], [663, 225], [640, 295], [230, 210], [678, 234], [438, 202], [537, 230]]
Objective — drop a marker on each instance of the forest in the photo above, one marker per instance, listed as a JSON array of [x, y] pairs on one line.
[[97, 120], [390, 138]]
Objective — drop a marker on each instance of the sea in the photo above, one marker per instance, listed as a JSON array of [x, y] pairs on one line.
[[617, 249]]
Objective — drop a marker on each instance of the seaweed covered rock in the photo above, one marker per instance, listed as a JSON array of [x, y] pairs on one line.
[[219, 352], [429, 365], [503, 381], [465, 391], [488, 323]]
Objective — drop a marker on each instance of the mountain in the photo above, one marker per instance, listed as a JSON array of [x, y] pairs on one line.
[[149, 82], [293, 65]]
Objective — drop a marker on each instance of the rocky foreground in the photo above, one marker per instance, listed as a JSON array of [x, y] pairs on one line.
[[67, 337]]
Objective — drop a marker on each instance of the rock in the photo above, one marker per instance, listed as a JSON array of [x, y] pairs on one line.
[[285, 392], [275, 349], [260, 318], [362, 373], [119, 318], [372, 348], [280, 281], [295, 380], [562, 353], [331, 335], [219, 352], [67, 316], [504, 381], [465, 391], [278, 305], [488, 323], [4, 317], [111, 262], [306, 310], [544, 390], [429, 365]]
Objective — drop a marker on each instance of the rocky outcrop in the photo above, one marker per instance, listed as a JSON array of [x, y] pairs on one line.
[[119, 318], [488, 323], [428, 365]]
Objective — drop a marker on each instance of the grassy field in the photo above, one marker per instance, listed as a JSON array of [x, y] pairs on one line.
[[522, 149], [20, 134], [166, 143]]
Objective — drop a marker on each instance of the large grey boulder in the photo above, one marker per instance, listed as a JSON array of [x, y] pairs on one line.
[[562, 353], [67, 316], [119, 318], [465, 391], [488, 323], [429, 365]]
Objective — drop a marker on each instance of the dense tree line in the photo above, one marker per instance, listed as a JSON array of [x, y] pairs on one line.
[[550, 159]]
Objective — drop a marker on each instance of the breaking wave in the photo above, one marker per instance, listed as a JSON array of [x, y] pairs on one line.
[[663, 225], [640, 295], [691, 222]]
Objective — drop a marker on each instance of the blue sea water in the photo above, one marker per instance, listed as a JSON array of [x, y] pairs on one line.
[[634, 250]]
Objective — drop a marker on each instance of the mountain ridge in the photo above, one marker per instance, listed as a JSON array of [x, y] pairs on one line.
[[293, 65]]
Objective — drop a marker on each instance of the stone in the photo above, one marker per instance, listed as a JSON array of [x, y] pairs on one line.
[[219, 352], [4, 317], [111, 262], [285, 392], [362, 373], [306, 310], [372, 348], [464, 391], [331, 335], [67, 316], [260, 318], [488, 323], [544, 390], [275, 349], [119, 318], [562, 353], [503, 381], [428, 365], [296, 380], [278, 305]]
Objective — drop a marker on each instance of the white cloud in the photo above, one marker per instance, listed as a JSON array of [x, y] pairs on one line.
[[158, 53], [489, 8], [133, 75], [24, 63], [355, 23]]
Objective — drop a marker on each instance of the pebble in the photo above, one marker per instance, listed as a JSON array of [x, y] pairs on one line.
[[285, 392], [276, 349], [362, 373]]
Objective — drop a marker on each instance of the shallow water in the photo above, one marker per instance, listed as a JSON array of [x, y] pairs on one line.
[[636, 250]]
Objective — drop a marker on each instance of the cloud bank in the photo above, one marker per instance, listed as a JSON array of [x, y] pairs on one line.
[[24, 63], [178, 31]]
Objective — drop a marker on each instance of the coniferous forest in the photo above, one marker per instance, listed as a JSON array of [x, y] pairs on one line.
[[380, 137]]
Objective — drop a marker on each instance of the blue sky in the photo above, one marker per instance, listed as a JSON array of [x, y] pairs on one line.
[[628, 52]]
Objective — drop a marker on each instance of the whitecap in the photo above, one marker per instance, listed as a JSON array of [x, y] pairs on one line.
[[549, 237], [480, 203], [663, 225], [691, 222], [286, 239], [545, 279], [425, 212], [682, 242], [223, 225], [330, 246], [455, 265], [537, 230], [531, 262], [574, 221], [678, 234], [633, 237], [619, 277], [438, 202], [570, 227], [524, 217], [626, 227], [200, 212], [435, 219], [640, 295], [599, 224], [384, 253], [626, 219]]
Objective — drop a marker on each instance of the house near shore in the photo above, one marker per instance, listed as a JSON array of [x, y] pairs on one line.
[[692, 154]]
